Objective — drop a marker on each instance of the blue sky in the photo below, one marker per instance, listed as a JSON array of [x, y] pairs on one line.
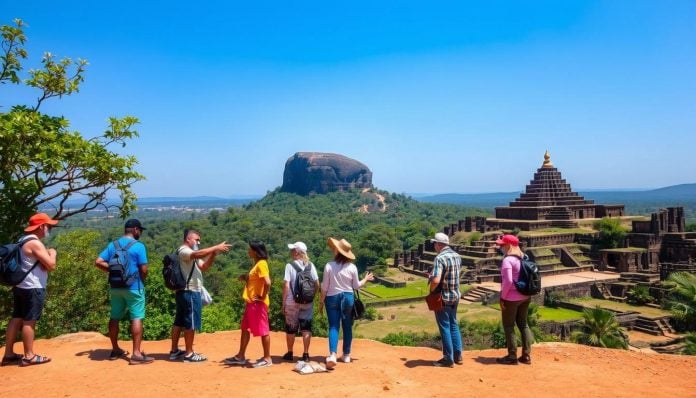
[[433, 96]]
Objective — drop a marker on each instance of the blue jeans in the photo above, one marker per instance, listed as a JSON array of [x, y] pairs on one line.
[[338, 310], [450, 333]]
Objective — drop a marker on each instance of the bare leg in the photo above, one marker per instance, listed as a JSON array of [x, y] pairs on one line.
[[11, 335], [243, 343], [28, 338], [188, 339], [266, 343], [290, 340], [176, 332], [137, 332], [306, 337], [113, 334]]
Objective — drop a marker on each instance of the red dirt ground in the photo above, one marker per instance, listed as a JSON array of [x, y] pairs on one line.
[[80, 369]]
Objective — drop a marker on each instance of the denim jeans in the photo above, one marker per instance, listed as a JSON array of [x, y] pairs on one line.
[[338, 310], [450, 333], [515, 312]]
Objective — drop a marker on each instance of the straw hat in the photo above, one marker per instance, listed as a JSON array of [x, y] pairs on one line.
[[342, 246]]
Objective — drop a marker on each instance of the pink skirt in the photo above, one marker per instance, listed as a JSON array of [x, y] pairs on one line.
[[255, 319]]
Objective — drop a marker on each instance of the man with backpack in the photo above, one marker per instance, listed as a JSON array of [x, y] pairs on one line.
[[513, 303], [301, 285], [188, 299], [29, 295], [125, 261]]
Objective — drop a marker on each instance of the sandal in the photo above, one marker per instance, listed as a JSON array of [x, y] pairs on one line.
[[262, 363], [116, 354], [141, 360], [235, 361], [35, 360], [13, 359]]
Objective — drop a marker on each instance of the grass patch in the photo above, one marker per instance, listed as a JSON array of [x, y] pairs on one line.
[[589, 302]]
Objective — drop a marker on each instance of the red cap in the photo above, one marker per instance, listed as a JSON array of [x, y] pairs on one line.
[[508, 240], [38, 220]]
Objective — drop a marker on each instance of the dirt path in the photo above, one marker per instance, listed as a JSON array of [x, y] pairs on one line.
[[80, 369]]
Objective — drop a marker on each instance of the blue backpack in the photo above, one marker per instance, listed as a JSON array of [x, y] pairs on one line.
[[11, 273], [119, 266]]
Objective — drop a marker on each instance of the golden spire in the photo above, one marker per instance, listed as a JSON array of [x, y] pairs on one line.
[[547, 161]]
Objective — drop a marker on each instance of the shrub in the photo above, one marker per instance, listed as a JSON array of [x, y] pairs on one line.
[[639, 295]]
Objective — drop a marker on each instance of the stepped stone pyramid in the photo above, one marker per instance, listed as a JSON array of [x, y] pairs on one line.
[[548, 197]]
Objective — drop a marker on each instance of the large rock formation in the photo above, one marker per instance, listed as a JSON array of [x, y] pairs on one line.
[[316, 172]]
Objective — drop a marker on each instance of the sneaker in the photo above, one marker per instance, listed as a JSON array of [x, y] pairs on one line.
[[234, 361], [115, 354], [195, 358], [288, 356], [141, 360], [262, 363], [459, 360], [346, 358], [305, 357], [177, 354], [525, 359], [331, 361], [443, 363], [506, 360]]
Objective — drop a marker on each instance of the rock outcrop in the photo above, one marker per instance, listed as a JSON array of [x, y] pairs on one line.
[[316, 172]]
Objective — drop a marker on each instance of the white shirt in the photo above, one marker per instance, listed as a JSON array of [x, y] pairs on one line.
[[340, 278], [186, 262], [38, 277]]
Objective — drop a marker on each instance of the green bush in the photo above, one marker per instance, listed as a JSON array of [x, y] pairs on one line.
[[409, 339], [639, 295]]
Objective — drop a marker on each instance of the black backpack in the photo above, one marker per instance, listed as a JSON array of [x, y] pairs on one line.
[[171, 272], [11, 273], [304, 289], [529, 281], [119, 265]]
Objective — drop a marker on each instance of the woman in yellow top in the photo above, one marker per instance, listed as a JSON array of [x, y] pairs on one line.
[[255, 319]]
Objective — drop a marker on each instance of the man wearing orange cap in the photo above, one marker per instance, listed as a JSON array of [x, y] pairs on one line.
[[30, 294]]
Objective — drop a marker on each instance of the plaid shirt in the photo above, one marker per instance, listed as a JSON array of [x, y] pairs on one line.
[[447, 265]]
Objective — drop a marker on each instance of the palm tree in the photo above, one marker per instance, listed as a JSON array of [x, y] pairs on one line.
[[690, 346], [682, 298], [600, 329]]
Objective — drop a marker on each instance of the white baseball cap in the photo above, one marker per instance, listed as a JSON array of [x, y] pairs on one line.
[[298, 246], [440, 238]]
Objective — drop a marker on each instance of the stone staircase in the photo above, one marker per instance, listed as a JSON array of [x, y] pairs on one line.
[[478, 295], [654, 326]]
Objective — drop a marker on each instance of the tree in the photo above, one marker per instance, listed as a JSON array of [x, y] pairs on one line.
[[611, 232], [600, 329], [45, 164], [681, 300]]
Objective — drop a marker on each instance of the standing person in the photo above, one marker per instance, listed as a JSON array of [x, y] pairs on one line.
[[188, 299], [513, 304], [29, 296], [445, 276], [340, 278], [128, 296], [298, 316], [255, 319]]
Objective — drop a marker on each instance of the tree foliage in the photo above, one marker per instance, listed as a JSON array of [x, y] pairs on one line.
[[681, 300], [45, 164], [611, 232], [600, 329]]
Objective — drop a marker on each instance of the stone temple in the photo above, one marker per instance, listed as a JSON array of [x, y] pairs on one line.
[[555, 228]]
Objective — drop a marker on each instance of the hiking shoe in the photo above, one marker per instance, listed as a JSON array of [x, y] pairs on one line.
[[305, 357], [140, 360], [234, 361], [525, 359], [459, 360], [288, 356], [443, 363], [174, 355], [506, 360], [116, 354], [331, 361], [262, 363], [346, 358], [195, 358]]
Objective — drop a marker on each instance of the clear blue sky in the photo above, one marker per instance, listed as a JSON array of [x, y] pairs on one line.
[[433, 96]]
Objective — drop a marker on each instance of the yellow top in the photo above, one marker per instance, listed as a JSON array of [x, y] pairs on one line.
[[256, 282], [547, 161]]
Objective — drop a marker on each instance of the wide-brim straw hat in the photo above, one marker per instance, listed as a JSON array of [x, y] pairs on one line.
[[342, 246]]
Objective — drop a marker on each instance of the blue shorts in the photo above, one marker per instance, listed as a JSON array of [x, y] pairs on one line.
[[28, 303], [188, 310], [126, 300]]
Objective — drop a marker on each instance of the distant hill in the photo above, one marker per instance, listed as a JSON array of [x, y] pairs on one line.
[[636, 202]]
